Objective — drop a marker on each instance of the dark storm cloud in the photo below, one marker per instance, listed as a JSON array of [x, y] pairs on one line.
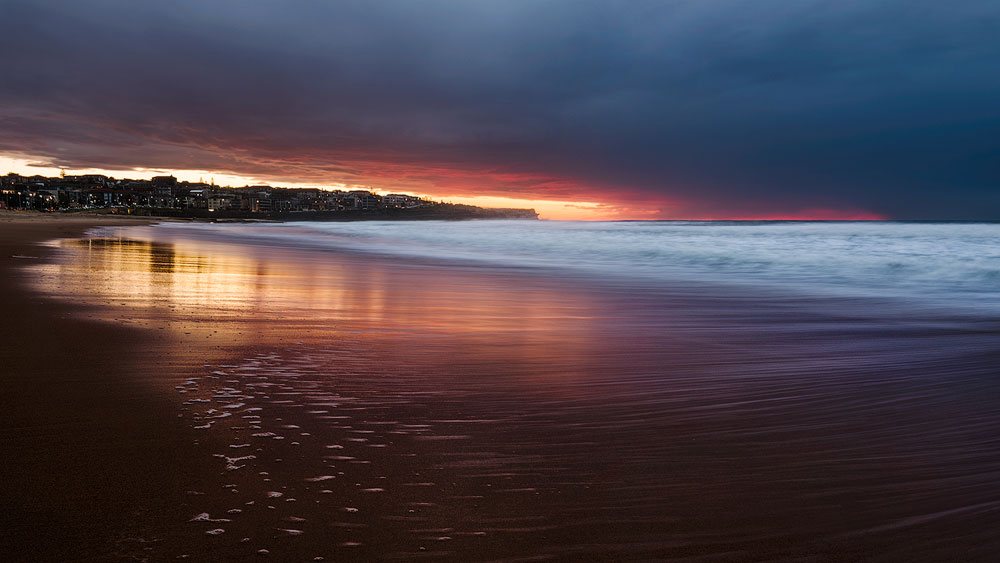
[[701, 107]]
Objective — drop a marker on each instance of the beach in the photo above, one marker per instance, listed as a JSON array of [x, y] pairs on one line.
[[235, 391], [88, 449]]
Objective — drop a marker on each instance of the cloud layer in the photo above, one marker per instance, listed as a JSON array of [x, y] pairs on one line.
[[708, 108]]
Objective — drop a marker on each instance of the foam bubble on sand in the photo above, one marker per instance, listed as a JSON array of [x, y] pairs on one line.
[[215, 532], [236, 459], [320, 478], [204, 517], [292, 532], [274, 494], [232, 462]]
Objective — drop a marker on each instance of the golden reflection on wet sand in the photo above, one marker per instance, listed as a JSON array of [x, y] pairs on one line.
[[272, 296]]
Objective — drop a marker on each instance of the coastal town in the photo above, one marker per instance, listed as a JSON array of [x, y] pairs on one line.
[[167, 196]]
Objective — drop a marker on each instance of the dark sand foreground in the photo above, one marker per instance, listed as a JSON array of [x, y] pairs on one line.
[[88, 449], [181, 395]]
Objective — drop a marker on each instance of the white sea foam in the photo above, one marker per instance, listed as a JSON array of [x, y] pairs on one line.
[[934, 263], [205, 517]]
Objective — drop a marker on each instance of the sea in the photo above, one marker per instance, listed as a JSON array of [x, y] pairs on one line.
[[535, 390], [921, 263]]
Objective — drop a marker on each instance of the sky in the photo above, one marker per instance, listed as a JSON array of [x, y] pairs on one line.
[[703, 109]]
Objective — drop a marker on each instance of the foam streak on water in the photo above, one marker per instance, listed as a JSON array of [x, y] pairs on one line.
[[955, 264]]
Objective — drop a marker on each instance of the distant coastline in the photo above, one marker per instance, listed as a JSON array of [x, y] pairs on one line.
[[433, 212], [165, 196]]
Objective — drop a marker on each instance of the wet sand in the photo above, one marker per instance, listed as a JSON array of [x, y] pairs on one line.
[[230, 401], [87, 448]]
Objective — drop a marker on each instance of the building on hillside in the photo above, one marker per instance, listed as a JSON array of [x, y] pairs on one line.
[[256, 200], [100, 197], [222, 202], [401, 201], [196, 199], [361, 200]]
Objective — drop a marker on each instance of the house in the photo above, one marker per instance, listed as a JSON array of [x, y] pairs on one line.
[[361, 200], [100, 197], [256, 201], [401, 201], [196, 199], [222, 202]]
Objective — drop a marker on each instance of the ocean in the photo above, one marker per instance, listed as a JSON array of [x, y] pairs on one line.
[[499, 390], [948, 264]]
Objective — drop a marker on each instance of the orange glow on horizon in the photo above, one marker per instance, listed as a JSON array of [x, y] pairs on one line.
[[547, 208], [562, 209], [803, 215]]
